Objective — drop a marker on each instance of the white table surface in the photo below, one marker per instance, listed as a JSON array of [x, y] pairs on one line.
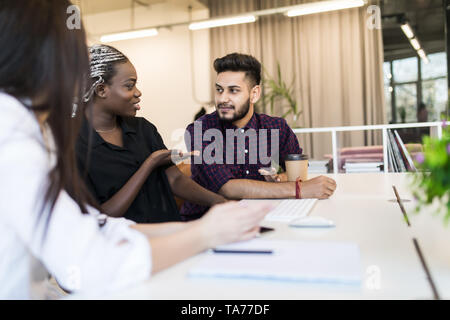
[[363, 214]]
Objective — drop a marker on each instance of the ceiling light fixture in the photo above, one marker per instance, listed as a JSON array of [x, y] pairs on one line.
[[415, 43], [222, 22], [324, 6], [423, 55], [407, 30], [129, 35]]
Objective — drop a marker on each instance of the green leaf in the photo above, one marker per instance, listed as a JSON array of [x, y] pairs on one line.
[[288, 112], [277, 92]]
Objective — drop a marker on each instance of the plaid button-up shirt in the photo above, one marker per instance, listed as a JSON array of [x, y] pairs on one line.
[[235, 158]]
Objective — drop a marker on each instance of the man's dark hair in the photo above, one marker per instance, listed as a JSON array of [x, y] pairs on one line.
[[240, 62]]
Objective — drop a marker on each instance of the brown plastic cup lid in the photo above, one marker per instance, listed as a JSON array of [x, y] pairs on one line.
[[296, 157]]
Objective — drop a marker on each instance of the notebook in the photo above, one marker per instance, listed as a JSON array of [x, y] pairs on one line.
[[303, 261]]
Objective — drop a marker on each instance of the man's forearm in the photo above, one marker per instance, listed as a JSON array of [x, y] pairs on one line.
[[252, 189]]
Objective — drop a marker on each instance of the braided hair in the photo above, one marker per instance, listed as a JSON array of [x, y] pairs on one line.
[[103, 58]]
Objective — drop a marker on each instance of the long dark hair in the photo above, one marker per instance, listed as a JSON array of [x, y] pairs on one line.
[[43, 60]]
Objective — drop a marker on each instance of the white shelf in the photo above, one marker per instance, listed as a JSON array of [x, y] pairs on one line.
[[436, 130]]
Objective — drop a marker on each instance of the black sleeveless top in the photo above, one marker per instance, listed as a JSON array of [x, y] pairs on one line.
[[110, 167]]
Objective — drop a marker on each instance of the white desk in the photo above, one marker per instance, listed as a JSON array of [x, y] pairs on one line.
[[434, 240], [363, 214], [432, 235]]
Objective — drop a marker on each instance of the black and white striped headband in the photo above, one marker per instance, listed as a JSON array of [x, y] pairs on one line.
[[101, 57]]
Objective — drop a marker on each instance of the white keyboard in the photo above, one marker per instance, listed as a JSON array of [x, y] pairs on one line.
[[288, 210]]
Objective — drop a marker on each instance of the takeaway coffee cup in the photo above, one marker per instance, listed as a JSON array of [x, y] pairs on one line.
[[297, 167]]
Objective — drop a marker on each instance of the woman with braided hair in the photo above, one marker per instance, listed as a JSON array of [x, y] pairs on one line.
[[129, 169], [48, 220]]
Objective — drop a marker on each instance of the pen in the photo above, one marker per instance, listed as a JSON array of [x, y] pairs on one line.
[[400, 203], [244, 251]]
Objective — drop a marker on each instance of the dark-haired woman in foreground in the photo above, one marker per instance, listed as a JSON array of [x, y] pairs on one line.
[[46, 212]]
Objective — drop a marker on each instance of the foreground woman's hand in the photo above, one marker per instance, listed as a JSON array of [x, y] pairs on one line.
[[224, 223], [232, 221]]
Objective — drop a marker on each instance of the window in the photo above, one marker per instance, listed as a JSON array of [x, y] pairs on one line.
[[387, 88], [387, 97], [434, 95], [387, 73], [436, 68], [406, 102], [410, 82], [434, 85], [405, 70]]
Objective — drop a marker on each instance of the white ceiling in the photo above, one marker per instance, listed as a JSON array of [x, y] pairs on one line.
[[98, 6]]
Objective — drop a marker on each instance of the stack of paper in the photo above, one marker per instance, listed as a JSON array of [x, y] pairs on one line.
[[318, 166], [362, 166], [329, 262]]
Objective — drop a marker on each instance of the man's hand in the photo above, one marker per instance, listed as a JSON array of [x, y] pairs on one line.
[[319, 188], [270, 174]]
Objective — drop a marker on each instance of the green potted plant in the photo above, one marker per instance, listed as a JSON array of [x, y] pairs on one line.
[[277, 91], [432, 182]]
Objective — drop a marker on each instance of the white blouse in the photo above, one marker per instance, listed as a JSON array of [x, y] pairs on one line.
[[82, 256]]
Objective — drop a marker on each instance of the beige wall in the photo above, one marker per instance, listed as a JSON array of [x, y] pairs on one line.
[[163, 64]]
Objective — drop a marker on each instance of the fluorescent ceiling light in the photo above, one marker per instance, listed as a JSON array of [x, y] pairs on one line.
[[129, 35], [423, 56], [222, 22], [324, 6], [407, 30], [415, 43]]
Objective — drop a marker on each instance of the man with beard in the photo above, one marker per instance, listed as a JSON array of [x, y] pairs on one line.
[[232, 164]]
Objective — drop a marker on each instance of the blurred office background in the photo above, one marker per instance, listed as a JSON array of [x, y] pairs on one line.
[[349, 67]]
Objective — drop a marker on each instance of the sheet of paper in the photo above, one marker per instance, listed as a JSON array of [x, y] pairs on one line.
[[324, 262]]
